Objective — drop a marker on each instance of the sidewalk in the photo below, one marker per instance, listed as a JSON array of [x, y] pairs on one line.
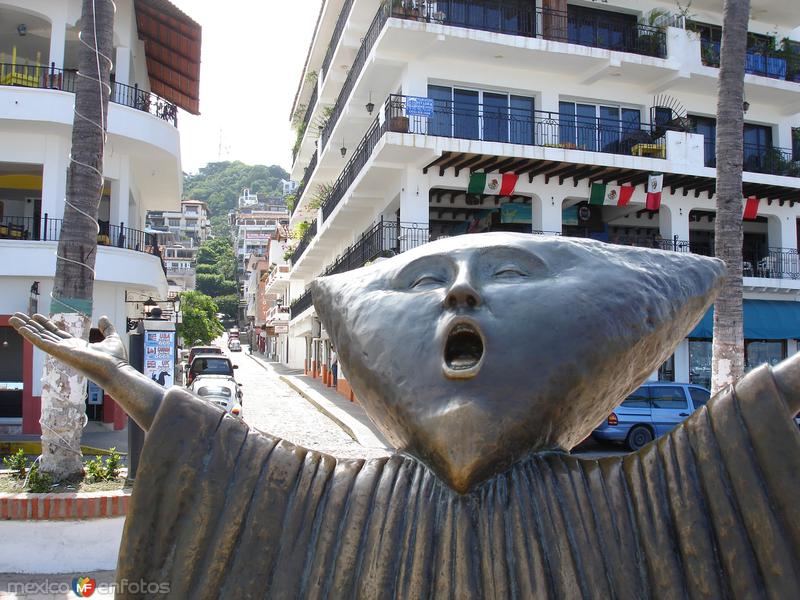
[[349, 416], [95, 435]]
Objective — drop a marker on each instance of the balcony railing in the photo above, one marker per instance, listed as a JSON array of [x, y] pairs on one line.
[[50, 78], [337, 34], [775, 64], [759, 159], [45, 229], [304, 241], [529, 127], [775, 263], [309, 170], [302, 303]]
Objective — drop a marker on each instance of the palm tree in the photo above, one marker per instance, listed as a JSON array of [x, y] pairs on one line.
[[727, 358], [63, 390]]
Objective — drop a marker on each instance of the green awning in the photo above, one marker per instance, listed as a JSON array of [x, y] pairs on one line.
[[763, 320]]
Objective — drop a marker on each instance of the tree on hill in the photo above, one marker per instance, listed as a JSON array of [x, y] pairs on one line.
[[217, 253], [214, 285], [228, 305], [200, 324], [220, 183]]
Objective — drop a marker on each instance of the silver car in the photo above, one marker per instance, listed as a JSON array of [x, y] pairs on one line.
[[221, 391]]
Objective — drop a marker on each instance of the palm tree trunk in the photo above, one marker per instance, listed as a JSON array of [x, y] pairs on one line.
[[727, 360], [63, 390]]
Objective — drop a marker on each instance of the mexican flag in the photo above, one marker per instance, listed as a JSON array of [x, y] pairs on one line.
[[751, 208], [610, 195], [654, 183], [496, 184]]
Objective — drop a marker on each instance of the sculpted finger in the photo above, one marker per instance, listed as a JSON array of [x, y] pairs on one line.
[[50, 326], [18, 320], [35, 338], [106, 327], [787, 376]]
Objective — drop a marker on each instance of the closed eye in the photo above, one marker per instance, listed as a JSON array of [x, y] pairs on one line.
[[507, 272], [427, 281]]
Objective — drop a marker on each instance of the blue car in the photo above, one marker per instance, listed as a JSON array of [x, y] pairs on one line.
[[651, 411]]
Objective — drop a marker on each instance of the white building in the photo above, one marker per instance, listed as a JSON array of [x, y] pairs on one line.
[[252, 227], [142, 165], [413, 98], [191, 223]]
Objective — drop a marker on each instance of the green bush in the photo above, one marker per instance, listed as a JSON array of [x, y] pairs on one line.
[[17, 463], [39, 482], [104, 468]]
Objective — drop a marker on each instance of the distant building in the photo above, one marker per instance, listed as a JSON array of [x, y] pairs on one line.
[[289, 187], [252, 228], [190, 224]]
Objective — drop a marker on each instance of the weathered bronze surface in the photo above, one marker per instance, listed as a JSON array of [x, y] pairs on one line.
[[482, 358]]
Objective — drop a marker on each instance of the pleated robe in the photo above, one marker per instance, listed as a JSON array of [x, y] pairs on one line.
[[712, 510]]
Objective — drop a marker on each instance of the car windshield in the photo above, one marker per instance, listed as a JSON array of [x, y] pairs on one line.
[[216, 390], [217, 366]]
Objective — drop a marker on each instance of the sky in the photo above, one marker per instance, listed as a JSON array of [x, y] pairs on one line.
[[253, 53]]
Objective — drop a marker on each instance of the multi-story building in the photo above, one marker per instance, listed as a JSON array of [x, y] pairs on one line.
[[274, 292], [416, 104], [191, 223], [156, 59], [180, 262], [252, 225]]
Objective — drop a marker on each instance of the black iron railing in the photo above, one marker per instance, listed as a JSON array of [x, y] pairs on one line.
[[45, 229], [51, 78], [775, 64], [304, 241], [529, 127], [519, 17], [775, 263], [368, 41], [360, 156], [307, 173], [383, 239], [337, 34], [758, 159], [302, 303], [312, 102]]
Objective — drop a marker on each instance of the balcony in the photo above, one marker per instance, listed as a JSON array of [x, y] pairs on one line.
[[49, 230], [42, 77], [758, 158], [383, 239], [630, 137], [775, 64]]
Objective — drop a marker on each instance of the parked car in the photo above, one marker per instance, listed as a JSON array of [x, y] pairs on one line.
[[209, 364], [234, 345], [202, 350], [651, 411], [233, 332], [219, 390]]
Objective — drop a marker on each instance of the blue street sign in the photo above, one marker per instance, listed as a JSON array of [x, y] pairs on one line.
[[419, 107]]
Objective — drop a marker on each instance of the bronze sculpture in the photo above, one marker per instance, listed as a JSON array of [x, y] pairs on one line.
[[482, 358]]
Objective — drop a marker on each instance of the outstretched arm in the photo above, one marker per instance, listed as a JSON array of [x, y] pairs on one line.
[[105, 363]]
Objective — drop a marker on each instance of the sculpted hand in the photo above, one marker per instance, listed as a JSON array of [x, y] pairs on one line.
[[96, 361], [104, 362]]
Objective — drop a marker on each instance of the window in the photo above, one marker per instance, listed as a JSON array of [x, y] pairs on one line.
[[671, 397], [666, 372], [700, 362], [174, 222], [707, 127], [597, 127], [638, 399], [601, 29], [759, 352], [757, 143], [699, 396], [10, 374]]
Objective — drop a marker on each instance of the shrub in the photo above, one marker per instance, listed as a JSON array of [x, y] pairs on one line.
[[17, 463], [104, 469], [39, 482]]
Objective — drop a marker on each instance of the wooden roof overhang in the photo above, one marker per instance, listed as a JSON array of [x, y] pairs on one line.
[[575, 173], [172, 49]]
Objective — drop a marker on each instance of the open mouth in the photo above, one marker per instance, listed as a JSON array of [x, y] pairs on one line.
[[463, 351]]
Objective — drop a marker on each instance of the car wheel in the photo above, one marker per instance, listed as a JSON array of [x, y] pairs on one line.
[[638, 437]]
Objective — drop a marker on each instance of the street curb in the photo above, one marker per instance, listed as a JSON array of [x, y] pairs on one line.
[[328, 412], [356, 430]]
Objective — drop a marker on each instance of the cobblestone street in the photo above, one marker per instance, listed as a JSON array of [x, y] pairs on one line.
[[272, 406]]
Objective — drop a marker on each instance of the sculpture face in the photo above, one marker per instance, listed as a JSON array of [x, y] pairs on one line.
[[470, 352]]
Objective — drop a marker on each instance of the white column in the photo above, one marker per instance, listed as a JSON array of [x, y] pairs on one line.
[[415, 81], [414, 192], [58, 38], [782, 230], [54, 177], [548, 101], [546, 215], [122, 65], [673, 219], [120, 193], [682, 362]]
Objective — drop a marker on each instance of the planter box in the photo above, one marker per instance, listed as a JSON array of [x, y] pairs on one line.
[[398, 124]]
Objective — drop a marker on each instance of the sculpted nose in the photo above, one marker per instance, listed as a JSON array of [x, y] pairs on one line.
[[462, 294]]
